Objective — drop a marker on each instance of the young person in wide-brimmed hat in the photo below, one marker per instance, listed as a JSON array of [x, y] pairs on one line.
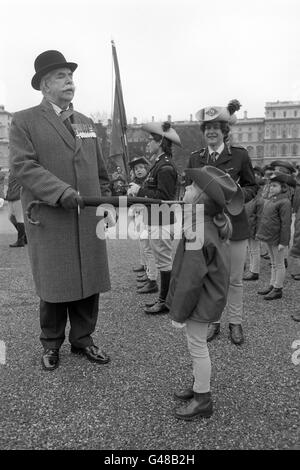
[[215, 125], [160, 184], [200, 277], [147, 281], [55, 155], [275, 230]]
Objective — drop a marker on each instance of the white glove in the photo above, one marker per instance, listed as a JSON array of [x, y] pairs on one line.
[[1, 202], [176, 324], [133, 189]]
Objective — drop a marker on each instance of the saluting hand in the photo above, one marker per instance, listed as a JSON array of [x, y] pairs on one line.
[[70, 199]]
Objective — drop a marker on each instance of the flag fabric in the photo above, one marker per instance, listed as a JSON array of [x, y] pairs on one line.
[[118, 141]]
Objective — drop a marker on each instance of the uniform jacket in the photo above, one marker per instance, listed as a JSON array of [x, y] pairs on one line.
[[13, 189], [160, 182], [254, 209], [200, 278], [275, 226], [239, 167], [68, 261]]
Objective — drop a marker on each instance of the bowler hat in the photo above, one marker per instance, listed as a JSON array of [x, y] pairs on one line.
[[47, 61], [163, 129], [219, 186], [137, 160]]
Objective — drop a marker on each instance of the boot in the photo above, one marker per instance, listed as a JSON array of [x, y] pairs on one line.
[[143, 278], [160, 306], [266, 290], [138, 269], [21, 236], [276, 293], [150, 287], [200, 405], [213, 331], [251, 276], [296, 316]]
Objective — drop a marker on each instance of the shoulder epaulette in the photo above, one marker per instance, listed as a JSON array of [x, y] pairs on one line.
[[238, 147], [201, 151]]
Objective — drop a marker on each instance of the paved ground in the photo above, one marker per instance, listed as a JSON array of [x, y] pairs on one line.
[[128, 403]]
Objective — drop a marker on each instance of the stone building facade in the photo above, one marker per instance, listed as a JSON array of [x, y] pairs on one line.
[[276, 136], [5, 120]]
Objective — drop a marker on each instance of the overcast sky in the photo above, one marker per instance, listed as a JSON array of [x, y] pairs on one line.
[[175, 56]]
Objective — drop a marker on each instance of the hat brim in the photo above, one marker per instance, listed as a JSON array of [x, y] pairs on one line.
[[36, 79], [236, 204], [208, 184], [156, 128], [137, 161]]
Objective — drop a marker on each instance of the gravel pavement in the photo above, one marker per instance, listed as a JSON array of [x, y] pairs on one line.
[[128, 403]]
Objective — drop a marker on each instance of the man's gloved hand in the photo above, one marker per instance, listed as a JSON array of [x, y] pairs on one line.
[[70, 199]]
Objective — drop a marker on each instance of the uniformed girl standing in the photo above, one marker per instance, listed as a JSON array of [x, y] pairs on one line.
[[200, 278]]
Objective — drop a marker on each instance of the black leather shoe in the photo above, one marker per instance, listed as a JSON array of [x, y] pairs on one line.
[[185, 394], [50, 359], [296, 277], [251, 276], [150, 303], [200, 406], [236, 333], [213, 331], [276, 293], [157, 308], [149, 287], [265, 291], [138, 269], [93, 353]]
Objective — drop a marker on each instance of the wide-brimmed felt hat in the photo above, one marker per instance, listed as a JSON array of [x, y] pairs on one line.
[[283, 178], [283, 164], [219, 113], [158, 128], [219, 186], [46, 62], [138, 160]]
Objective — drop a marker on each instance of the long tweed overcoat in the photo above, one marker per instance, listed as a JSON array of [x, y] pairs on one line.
[[68, 261]]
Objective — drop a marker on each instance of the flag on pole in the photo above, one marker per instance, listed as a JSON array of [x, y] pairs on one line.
[[118, 141]]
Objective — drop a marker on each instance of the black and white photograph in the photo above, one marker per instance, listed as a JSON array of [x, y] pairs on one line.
[[150, 228]]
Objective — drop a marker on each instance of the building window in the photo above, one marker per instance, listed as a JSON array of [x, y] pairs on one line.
[[295, 113], [273, 150], [250, 150], [249, 137], [274, 114], [284, 113], [240, 137], [295, 131], [283, 150], [260, 151], [284, 133], [295, 150], [273, 132]]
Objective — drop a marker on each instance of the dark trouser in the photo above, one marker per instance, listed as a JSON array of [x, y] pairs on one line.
[[83, 316]]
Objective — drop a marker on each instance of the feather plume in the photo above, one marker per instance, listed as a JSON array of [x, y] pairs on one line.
[[233, 106]]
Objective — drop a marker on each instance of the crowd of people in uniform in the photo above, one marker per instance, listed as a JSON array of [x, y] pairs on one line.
[[54, 161]]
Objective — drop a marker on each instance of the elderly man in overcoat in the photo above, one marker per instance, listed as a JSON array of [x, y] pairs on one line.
[[55, 156]]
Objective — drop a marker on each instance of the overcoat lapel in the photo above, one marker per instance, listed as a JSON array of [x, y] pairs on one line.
[[58, 124]]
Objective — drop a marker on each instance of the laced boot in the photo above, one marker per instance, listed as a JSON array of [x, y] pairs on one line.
[[276, 293], [200, 405]]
